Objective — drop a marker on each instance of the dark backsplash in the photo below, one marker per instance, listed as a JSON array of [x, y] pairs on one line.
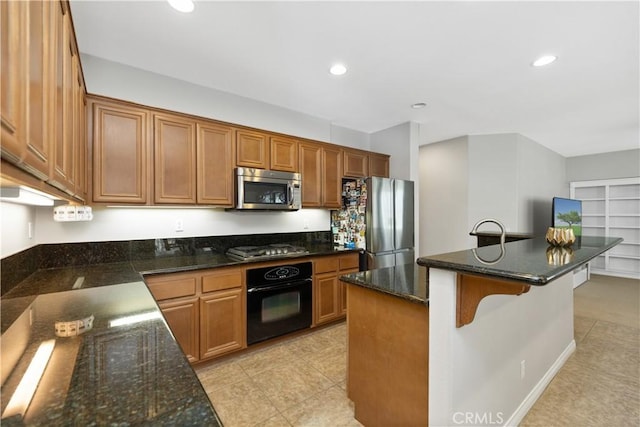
[[17, 267]]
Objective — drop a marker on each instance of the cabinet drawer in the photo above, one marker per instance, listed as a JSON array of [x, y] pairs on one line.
[[172, 287], [218, 280], [327, 264], [349, 262]]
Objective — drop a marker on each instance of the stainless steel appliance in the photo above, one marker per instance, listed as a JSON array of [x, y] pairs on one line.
[[277, 250], [389, 220], [266, 189], [278, 300], [377, 216]]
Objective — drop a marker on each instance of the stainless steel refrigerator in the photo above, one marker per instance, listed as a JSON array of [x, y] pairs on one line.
[[389, 222], [376, 216]]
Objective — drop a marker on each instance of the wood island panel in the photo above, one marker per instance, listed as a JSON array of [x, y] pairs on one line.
[[387, 358]]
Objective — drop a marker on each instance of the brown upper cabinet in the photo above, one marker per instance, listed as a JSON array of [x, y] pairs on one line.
[[284, 154], [174, 159], [331, 177], [215, 156], [193, 158], [121, 153], [39, 90], [43, 128], [13, 63], [311, 172], [252, 149], [379, 165], [355, 163]]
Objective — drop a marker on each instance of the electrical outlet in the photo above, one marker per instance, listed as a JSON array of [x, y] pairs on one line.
[[305, 224], [30, 230], [179, 225], [522, 369]]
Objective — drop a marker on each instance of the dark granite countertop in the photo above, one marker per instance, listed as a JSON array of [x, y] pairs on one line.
[[406, 281], [206, 259], [125, 369], [130, 374], [532, 261]]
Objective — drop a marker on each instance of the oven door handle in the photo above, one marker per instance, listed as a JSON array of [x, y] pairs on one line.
[[278, 287]]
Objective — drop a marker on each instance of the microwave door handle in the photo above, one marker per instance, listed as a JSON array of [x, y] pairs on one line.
[[290, 190]]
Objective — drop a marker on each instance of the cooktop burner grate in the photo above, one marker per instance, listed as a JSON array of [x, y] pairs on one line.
[[269, 251]]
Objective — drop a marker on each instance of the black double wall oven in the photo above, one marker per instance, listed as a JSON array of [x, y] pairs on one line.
[[279, 300]]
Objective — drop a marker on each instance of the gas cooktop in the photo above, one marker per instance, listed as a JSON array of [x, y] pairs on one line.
[[269, 251]]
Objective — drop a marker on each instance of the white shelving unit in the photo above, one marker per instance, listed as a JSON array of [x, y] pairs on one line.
[[612, 208]]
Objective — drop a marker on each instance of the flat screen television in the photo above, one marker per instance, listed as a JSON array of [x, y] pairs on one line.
[[567, 213]]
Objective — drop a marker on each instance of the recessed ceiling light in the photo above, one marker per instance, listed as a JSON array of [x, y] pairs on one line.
[[544, 60], [184, 6], [338, 69], [418, 105]]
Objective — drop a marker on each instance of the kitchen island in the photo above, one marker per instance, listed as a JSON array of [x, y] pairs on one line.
[[388, 345], [472, 339], [500, 326]]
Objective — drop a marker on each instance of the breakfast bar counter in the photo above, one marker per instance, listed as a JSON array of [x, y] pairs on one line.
[[500, 326]]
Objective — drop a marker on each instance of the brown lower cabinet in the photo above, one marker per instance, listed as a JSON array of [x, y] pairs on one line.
[[183, 319], [383, 329], [222, 323], [205, 310], [329, 293]]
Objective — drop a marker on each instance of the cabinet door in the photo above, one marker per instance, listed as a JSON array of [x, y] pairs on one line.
[[13, 60], [356, 163], [215, 154], [219, 279], [121, 153], [379, 165], [342, 291], [284, 154], [311, 171], [80, 167], [222, 323], [39, 129], [175, 159], [252, 150], [183, 320], [172, 286], [326, 298], [62, 152], [332, 177]]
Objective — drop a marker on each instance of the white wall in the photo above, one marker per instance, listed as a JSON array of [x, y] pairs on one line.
[[617, 164], [14, 228], [121, 81], [507, 177], [493, 181], [444, 191], [111, 224], [542, 175], [477, 368], [396, 142]]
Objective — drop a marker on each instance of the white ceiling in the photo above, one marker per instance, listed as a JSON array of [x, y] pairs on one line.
[[469, 61]]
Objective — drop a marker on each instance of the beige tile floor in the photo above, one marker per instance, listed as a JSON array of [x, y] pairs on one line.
[[600, 383], [301, 381]]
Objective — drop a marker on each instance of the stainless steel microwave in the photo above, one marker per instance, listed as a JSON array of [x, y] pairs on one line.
[[266, 189]]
